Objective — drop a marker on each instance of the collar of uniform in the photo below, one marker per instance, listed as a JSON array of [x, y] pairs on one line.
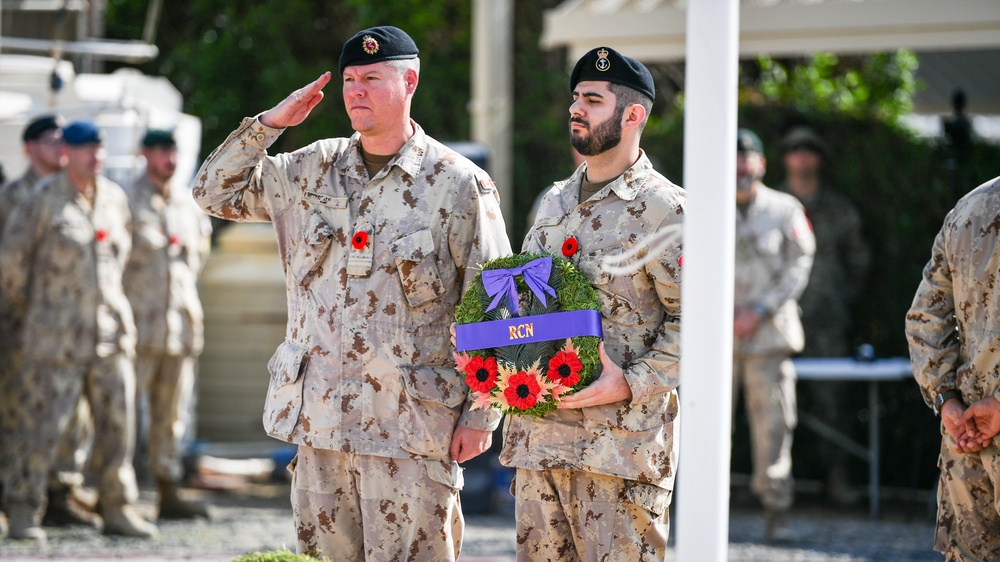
[[409, 158], [625, 186]]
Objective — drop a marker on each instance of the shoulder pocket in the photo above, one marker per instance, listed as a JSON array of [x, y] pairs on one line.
[[418, 270]]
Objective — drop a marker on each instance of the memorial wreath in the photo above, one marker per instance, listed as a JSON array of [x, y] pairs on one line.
[[528, 330]]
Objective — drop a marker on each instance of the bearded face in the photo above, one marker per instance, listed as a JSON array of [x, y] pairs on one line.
[[605, 136]]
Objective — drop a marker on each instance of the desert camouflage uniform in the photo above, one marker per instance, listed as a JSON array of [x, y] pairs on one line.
[[61, 262], [365, 372], [952, 329], [774, 250], [170, 241], [595, 483]]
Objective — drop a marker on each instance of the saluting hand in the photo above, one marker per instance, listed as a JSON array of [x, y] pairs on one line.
[[296, 107], [610, 387]]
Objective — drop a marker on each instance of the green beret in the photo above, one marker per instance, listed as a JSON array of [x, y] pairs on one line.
[[39, 126], [82, 132], [377, 44], [748, 141], [605, 64], [159, 137]]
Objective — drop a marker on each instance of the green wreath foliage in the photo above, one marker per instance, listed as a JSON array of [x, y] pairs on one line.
[[573, 292]]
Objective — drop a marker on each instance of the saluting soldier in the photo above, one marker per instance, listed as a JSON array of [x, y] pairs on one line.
[[62, 255], [594, 478], [170, 242], [378, 233]]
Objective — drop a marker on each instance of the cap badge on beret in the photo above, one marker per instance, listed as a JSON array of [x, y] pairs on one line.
[[369, 44], [602, 64]]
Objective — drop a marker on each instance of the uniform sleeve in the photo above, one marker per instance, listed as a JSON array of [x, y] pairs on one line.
[[931, 330], [477, 234], [799, 248], [658, 370], [238, 181], [17, 247]]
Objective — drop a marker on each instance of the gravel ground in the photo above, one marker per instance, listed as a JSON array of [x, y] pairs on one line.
[[250, 515]]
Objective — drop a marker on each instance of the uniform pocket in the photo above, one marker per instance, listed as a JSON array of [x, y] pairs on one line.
[[284, 394], [652, 414], [652, 498], [615, 293], [317, 238], [418, 270], [429, 408]]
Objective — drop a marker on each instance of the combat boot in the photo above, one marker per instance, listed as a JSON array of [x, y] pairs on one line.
[[777, 528], [64, 509], [24, 524], [173, 506], [124, 521]]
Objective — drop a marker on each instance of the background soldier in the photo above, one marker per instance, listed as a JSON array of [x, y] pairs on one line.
[[62, 255], [774, 250], [952, 330], [835, 281], [170, 242], [66, 504], [594, 479], [378, 234]]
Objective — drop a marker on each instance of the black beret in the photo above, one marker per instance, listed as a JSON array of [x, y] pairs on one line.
[[39, 126], [605, 64], [377, 44], [802, 136], [81, 132], [159, 137], [748, 141]]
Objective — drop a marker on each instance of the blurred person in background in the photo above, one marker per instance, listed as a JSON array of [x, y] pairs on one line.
[[170, 243], [67, 504], [774, 252], [62, 254], [837, 278]]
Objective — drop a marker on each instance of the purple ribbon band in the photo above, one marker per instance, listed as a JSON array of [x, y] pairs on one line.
[[500, 282], [528, 329]]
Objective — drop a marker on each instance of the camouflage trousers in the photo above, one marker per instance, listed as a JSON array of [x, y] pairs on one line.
[[968, 497], [356, 508], [576, 516], [768, 383], [163, 404], [50, 395]]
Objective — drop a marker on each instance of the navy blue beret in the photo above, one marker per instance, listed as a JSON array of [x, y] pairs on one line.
[[377, 44], [748, 141], [605, 64], [159, 137], [39, 126], [81, 132]]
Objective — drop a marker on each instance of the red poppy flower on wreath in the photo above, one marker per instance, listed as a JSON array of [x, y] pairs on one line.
[[481, 373], [101, 235], [522, 391], [570, 246], [564, 368], [174, 240], [360, 240]]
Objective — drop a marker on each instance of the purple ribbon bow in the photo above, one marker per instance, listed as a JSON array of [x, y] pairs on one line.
[[500, 282]]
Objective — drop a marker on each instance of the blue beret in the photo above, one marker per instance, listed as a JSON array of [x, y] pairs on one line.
[[605, 64], [39, 126], [377, 44], [748, 141], [82, 132], [159, 137]]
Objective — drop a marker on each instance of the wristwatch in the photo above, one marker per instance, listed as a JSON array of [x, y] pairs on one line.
[[944, 396]]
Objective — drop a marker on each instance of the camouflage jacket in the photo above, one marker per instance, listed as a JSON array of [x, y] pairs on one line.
[[953, 326], [11, 195], [170, 241], [374, 268], [774, 252], [640, 312], [61, 264]]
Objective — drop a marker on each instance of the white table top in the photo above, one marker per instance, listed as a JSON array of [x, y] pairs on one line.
[[847, 368]]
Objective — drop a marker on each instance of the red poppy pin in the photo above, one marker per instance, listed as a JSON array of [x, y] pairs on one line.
[[570, 246], [360, 240], [101, 235], [174, 240]]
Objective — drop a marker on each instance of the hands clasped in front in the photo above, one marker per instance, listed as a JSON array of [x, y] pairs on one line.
[[972, 427]]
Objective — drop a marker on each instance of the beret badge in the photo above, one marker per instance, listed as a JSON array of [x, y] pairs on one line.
[[369, 44], [602, 64]]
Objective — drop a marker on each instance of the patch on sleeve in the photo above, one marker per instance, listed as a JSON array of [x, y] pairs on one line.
[[486, 184]]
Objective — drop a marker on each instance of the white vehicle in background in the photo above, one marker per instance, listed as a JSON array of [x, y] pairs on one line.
[[124, 103]]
